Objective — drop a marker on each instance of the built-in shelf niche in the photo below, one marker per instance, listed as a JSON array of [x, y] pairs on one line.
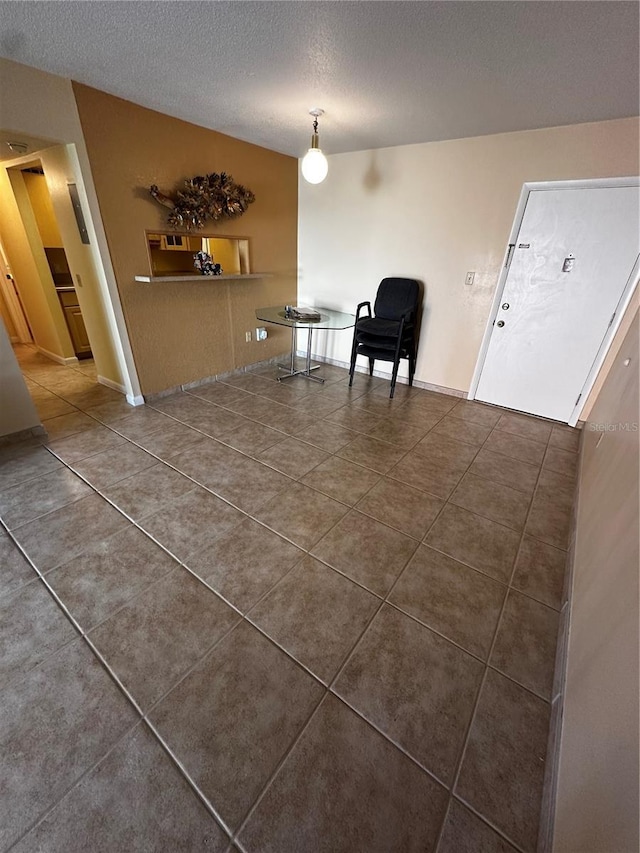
[[171, 254]]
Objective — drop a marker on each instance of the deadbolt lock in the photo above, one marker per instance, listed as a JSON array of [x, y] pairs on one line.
[[500, 323], [505, 306]]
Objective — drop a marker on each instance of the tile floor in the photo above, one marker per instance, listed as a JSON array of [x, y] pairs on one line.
[[265, 617]]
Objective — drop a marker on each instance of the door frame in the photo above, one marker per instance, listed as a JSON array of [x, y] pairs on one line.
[[12, 301], [541, 186]]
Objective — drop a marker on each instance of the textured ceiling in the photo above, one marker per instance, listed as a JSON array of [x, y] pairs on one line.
[[386, 73]]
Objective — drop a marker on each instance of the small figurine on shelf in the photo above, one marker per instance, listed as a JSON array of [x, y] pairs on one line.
[[204, 262]]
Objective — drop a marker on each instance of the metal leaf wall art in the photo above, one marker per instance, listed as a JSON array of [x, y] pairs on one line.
[[215, 196]]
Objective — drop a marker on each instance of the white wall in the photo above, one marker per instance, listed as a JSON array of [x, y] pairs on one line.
[[43, 105], [433, 212], [17, 412]]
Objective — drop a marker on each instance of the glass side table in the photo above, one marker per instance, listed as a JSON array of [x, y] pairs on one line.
[[329, 319]]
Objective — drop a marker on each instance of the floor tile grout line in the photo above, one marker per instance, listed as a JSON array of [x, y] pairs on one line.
[[182, 771], [467, 737], [394, 584], [357, 640], [243, 614], [462, 752], [76, 783], [183, 675], [220, 438], [435, 631], [420, 540], [137, 594], [181, 562], [489, 823], [49, 511], [472, 718], [133, 523], [60, 397], [246, 616], [280, 764], [142, 714], [83, 634], [32, 446], [387, 737], [329, 691], [435, 425], [325, 687], [145, 715], [99, 489]]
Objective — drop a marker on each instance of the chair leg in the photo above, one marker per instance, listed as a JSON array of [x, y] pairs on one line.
[[394, 376], [354, 353], [371, 360], [412, 365]]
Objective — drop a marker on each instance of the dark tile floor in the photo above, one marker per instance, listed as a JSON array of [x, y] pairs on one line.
[[278, 617]]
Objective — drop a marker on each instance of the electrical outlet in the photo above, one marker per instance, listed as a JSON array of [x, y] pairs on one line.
[[469, 278], [247, 337], [261, 333], [79, 280]]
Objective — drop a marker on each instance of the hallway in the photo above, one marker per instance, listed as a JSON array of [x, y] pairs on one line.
[[266, 617]]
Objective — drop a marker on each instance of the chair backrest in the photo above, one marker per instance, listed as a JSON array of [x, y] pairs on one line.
[[395, 297]]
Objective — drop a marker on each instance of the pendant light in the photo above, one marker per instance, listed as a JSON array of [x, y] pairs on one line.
[[314, 163]]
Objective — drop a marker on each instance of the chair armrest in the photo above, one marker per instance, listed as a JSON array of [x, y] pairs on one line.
[[360, 306], [406, 322]]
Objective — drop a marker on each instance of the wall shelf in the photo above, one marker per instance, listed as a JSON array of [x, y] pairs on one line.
[[157, 279]]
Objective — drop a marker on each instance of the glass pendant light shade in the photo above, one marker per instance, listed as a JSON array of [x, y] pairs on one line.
[[314, 163], [314, 166]]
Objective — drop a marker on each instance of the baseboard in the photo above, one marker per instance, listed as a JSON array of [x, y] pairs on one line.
[[111, 384], [135, 399], [68, 362], [207, 380], [382, 374]]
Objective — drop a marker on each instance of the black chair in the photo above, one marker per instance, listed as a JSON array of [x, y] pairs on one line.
[[390, 333]]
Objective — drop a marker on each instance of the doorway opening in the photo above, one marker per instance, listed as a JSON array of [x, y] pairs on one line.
[[51, 298], [47, 238]]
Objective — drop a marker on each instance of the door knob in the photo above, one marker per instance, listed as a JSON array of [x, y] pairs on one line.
[[500, 323]]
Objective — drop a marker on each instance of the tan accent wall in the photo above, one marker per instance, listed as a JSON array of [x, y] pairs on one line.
[[436, 211], [43, 210], [597, 786], [183, 332]]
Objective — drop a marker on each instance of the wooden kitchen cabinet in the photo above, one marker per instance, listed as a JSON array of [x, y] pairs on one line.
[[75, 323]]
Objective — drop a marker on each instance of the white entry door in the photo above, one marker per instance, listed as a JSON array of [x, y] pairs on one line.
[[570, 264]]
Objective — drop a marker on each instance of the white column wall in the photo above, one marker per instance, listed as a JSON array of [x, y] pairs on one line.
[[17, 411]]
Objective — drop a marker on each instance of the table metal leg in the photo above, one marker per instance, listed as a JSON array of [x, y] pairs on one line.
[[306, 371]]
